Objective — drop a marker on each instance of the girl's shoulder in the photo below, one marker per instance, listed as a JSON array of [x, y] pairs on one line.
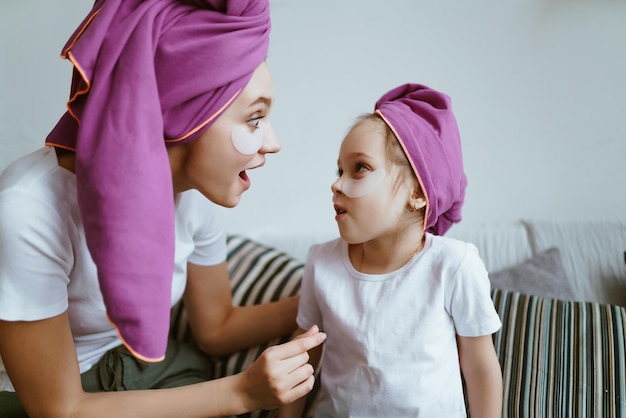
[[447, 246], [329, 246], [451, 252]]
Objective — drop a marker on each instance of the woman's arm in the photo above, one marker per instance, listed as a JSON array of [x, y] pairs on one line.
[[40, 359], [218, 327], [483, 376]]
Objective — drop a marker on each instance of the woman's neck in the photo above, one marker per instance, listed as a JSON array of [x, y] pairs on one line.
[[66, 159]]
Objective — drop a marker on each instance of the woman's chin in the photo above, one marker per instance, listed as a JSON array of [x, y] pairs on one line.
[[229, 200], [231, 204]]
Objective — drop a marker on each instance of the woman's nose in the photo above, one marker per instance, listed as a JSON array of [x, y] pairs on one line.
[[271, 144]]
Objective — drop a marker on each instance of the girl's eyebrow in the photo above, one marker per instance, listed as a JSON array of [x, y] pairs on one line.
[[356, 155], [360, 154]]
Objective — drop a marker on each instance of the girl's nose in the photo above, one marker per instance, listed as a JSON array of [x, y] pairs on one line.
[[336, 186], [271, 144]]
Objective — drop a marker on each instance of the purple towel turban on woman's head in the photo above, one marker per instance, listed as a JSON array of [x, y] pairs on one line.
[[147, 73], [422, 120]]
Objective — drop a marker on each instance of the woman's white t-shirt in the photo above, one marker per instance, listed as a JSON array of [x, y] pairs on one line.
[[46, 268]]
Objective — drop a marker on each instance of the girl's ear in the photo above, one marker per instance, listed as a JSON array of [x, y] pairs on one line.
[[416, 201]]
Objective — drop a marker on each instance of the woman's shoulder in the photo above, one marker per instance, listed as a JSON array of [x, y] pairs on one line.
[[198, 218], [36, 183], [29, 169], [192, 204]]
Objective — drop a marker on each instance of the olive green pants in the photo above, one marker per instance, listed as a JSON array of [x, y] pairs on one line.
[[183, 365]]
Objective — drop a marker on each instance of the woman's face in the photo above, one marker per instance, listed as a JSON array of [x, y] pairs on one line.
[[216, 163]]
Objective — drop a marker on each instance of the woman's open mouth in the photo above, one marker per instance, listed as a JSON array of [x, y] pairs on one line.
[[244, 179]]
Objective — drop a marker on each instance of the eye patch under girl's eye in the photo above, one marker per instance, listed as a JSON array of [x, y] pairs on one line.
[[246, 142], [354, 188]]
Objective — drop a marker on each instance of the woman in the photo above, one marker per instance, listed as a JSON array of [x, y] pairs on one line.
[[120, 215]]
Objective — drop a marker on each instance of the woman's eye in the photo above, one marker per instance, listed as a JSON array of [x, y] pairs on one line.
[[255, 121]]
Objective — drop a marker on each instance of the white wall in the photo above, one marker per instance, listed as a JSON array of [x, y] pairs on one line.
[[539, 89]]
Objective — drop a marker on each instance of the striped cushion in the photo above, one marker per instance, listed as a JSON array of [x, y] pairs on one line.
[[561, 359]]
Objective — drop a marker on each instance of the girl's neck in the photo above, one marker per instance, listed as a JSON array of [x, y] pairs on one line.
[[384, 255]]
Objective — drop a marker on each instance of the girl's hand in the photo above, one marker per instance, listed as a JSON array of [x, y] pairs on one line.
[[282, 373]]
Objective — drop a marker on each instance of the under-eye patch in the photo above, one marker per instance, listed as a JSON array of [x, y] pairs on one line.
[[358, 188], [246, 142]]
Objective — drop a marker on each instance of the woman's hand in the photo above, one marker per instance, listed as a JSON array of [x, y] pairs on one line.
[[282, 373]]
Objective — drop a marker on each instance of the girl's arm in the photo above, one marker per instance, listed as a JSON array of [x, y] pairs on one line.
[[40, 359], [483, 376], [218, 327], [296, 408]]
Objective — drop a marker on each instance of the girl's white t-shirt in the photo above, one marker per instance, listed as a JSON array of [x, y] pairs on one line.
[[391, 349], [46, 268]]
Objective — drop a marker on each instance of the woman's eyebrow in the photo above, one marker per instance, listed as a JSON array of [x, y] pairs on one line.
[[262, 100]]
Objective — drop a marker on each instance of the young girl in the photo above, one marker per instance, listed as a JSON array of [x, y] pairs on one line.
[[121, 215], [407, 312]]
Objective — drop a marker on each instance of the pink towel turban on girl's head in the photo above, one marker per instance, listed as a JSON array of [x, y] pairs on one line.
[[147, 73], [423, 122]]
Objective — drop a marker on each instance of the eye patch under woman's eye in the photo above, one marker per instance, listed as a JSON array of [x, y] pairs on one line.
[[246, 142], [354, 188]]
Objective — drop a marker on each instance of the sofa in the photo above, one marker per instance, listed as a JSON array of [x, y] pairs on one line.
[[559, 287]]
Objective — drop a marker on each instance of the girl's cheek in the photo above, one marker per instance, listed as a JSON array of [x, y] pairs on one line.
[[358, 188], [246, 142]]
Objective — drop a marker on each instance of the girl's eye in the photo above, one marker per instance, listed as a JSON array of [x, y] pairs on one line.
[[361, 167], [339, 173]]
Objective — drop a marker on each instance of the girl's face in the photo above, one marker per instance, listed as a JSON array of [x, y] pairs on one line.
[[368, 202], [216, 163]]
